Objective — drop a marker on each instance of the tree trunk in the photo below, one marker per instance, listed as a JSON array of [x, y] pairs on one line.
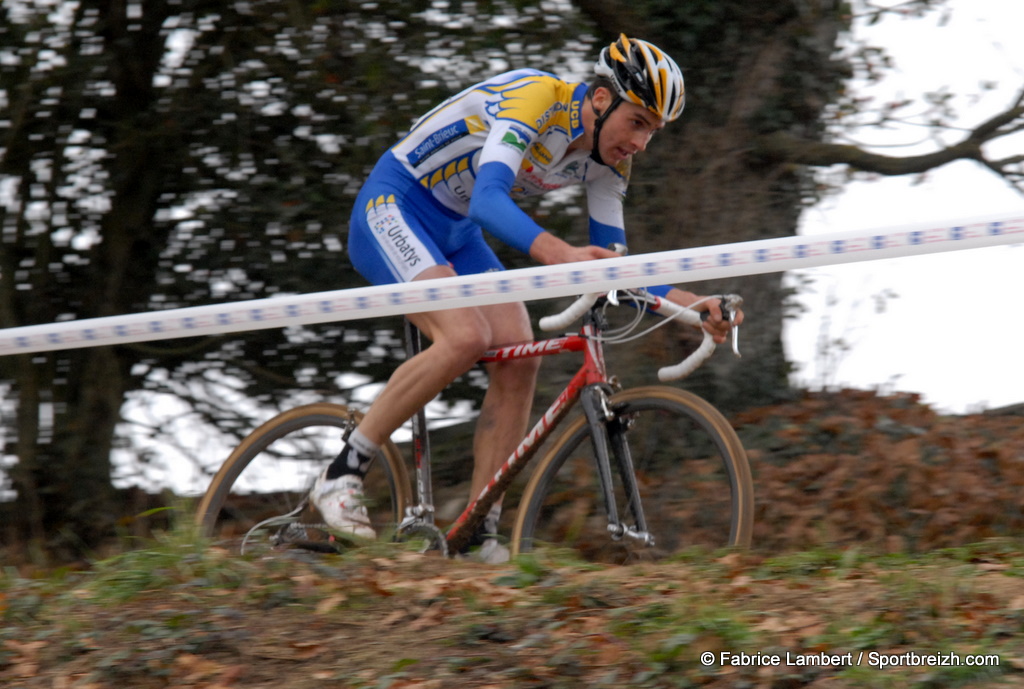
[[65, 500], [717, 198], [698, 185], [68, 402]]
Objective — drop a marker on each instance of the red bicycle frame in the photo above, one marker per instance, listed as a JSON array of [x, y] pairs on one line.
[[592, 372]]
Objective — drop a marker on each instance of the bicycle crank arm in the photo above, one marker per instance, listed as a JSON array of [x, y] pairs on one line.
[[618, 532], [414, 527]]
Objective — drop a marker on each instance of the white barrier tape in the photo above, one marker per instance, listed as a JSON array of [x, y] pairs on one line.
[[545, 282]]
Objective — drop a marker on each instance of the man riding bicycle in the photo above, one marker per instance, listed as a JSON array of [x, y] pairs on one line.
[[421, 213]]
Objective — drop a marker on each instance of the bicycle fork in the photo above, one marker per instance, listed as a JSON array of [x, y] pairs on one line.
[[608, 432]]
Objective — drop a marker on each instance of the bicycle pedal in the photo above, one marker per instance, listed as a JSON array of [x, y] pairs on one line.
[[318, 546], [313, 537], [290, 533]]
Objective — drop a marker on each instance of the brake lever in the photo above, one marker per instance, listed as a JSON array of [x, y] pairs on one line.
[[728, 305]]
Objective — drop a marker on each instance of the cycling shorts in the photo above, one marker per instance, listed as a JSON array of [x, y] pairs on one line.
[[398, 230]]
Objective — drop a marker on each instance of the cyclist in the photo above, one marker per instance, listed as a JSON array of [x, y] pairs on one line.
[[419, 217]]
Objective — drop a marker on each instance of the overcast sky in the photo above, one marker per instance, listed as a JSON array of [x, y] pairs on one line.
[[950, 331]]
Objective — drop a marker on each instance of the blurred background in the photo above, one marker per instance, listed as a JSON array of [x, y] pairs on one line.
[[182, 152], [918, 325]]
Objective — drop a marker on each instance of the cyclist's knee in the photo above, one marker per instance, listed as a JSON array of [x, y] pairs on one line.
[[471, 345], [464, 338]]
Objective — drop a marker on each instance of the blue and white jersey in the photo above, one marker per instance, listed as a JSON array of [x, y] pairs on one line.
[[525, 119]]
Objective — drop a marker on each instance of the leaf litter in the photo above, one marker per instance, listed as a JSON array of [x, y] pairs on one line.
[[883, 528]]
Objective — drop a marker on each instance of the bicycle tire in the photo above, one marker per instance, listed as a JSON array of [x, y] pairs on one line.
[[694, 478], [287, 453]]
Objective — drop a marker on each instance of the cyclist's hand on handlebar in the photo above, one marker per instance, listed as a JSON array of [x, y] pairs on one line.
[[716, 323], [550, 250], [589, 253]]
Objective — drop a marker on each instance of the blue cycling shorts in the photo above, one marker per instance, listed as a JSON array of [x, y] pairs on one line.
[[398, 230]]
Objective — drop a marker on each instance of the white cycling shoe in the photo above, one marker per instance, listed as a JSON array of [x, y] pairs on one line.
[[341, 504], [491, 552]]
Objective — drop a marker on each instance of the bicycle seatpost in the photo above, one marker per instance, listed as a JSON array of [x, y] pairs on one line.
[[424, 508]]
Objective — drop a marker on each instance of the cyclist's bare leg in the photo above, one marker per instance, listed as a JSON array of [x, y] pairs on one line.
[[505, 413], [460, 337]]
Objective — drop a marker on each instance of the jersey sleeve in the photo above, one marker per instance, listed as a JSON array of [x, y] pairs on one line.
[[605, 235], [491, 205], [604, 203], [606, 190], [493, 209]]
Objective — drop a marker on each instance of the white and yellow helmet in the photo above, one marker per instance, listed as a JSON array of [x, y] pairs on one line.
[[645, 75]]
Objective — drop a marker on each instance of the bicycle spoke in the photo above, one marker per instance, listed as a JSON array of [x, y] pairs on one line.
[[685, 477], [269, 475]]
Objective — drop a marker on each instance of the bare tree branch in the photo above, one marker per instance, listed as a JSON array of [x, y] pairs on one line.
[[782, 146]]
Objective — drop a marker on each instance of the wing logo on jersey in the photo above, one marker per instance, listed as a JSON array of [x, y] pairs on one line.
[[457, 176], [538, 102], [529, 101]]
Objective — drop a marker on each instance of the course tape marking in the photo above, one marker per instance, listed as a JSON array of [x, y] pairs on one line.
[[545, 282]]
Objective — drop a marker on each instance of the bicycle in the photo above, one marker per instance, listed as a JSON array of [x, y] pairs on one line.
[[663, 470]]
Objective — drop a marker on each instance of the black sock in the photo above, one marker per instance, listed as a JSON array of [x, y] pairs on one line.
[[349, 461], [355, 457]]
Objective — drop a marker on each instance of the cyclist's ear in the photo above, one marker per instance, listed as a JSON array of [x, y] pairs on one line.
[[601, 98]]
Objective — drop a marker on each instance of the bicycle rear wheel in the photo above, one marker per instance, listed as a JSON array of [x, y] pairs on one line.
[[274, 467], [694, 481]]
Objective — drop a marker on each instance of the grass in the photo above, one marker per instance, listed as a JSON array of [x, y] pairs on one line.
[[181, 612]]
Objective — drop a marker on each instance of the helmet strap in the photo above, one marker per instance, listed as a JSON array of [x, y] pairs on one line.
[[595, 151]]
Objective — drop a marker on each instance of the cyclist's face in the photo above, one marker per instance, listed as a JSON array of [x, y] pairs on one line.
[[627, 131]]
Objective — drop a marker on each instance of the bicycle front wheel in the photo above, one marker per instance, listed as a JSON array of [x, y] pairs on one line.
[[691, 471], [274, 467]]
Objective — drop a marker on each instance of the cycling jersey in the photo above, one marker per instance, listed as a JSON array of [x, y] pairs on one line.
[[461, 166], [524, 120]]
